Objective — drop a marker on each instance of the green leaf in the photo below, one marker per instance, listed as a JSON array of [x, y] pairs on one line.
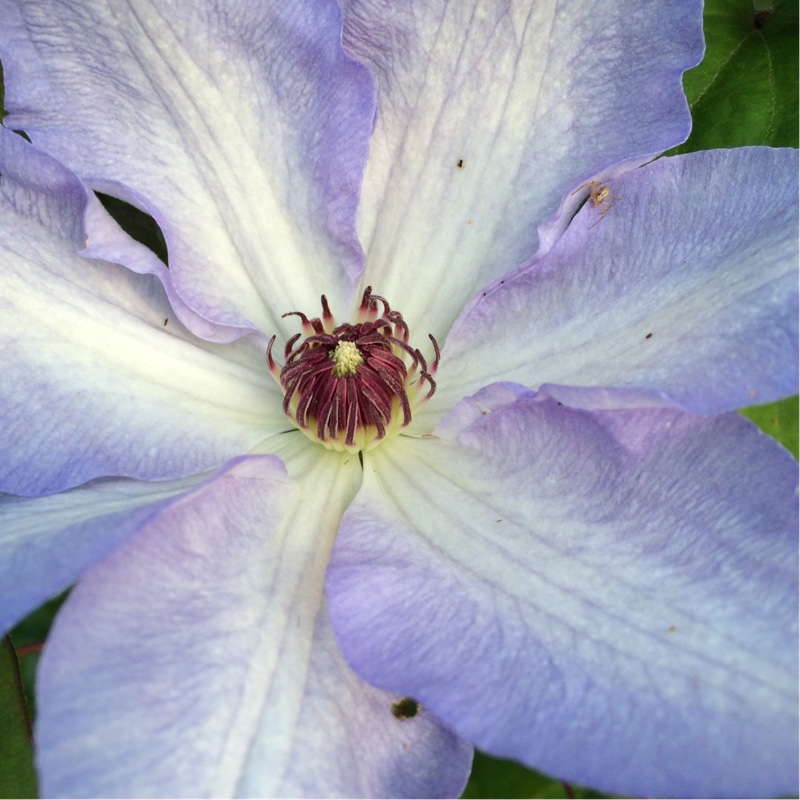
[[744, 92], [779, 420], [139, 225], [495, 777], [17, 774], [28, 636]]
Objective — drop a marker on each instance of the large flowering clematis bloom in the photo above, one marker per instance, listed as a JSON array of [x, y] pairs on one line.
[[554, 534]]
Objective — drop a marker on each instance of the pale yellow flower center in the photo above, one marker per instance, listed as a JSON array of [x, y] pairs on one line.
[[346, 357]]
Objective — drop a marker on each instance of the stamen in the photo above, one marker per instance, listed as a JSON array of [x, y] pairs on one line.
[[350, 386]]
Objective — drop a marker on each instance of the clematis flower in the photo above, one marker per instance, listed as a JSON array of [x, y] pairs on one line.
[[490, 489]]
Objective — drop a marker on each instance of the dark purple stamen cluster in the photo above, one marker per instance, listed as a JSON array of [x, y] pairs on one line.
[[351, 382]]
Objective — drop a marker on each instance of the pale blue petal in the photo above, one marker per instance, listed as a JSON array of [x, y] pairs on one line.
[[99, 378], [47, 543], [198, 660], [610, 597], [105, 240], [684, 294], [488, 110], [242, 126]]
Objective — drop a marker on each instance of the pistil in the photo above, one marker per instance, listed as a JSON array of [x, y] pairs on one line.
[[346, 357]]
